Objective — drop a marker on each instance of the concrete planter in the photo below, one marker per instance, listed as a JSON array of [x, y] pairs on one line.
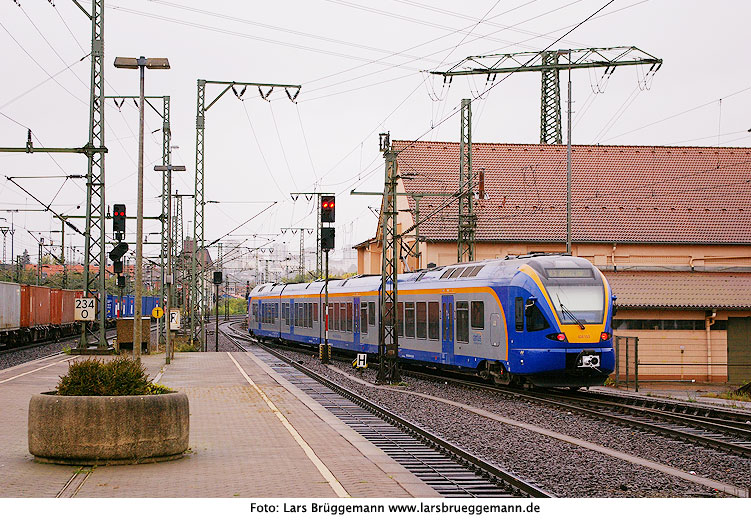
[[86, 430]]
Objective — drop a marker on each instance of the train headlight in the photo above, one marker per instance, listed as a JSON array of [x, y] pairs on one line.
[[557, 336], [605, 336]]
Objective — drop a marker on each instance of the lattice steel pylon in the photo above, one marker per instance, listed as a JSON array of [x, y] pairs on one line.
[[166, 204], [196, 288], [177, 247], [550, 101], [549, 63], [467, 220], [199, 284], [388, 337], [94, 241]]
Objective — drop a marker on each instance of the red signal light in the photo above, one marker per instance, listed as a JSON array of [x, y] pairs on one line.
[[560, 337], [605, 336]]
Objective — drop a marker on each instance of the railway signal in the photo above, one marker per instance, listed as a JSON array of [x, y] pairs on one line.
[[328, 208], [327, 238], [118, 221]]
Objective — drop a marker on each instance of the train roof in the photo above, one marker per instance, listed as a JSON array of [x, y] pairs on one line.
[[454, 274]]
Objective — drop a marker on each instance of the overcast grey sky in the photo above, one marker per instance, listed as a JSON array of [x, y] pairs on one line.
[[361, 66]]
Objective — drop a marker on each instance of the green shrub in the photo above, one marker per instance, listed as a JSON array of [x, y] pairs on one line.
[[118, 377], [186, 347]]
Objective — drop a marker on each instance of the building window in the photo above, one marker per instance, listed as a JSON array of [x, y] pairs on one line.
[[422, 320], [434, 320], [409, 319], [478, 315], [667, 325], [462, 321]]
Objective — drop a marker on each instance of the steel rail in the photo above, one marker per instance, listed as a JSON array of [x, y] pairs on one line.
[[493, 473], [741, 445]]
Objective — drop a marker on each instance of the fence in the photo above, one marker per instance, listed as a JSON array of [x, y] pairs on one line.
[[627, 361]]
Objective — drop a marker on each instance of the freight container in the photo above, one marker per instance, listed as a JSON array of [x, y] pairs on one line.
[[10, 306], [63, 306], [35, 306]]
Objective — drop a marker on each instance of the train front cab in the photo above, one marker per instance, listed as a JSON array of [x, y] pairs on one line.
[[561, 330]]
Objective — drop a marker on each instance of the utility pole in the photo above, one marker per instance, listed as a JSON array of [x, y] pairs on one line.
[[549, 63], [388, 338], [166, 156], [301, 256], [169, 276], [198, 290], [568, 167], [4, 231], [413, 250], [467, 220], [94, 241]]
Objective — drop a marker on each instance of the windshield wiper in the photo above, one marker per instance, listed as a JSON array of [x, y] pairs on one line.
[[570, 314]]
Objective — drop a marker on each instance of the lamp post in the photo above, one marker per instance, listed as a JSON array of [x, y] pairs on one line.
[[141, 64], [169, 277]]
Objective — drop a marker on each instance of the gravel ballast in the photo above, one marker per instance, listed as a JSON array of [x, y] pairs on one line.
[[566, 469]]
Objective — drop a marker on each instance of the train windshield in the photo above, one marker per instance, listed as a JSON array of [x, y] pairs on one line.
[[577, 294]]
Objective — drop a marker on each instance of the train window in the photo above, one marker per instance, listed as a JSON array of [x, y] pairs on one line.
[[478, 315], [467, 272], [255, 310], [349, 317], [371, 312], [519, 314], [455, 273], [308, 315], [334, 316], [400, 318], [434, 317], [535, 319], [390, 317], [446, 274], [343, 317], [475, 270], [364, 318], [331, 317], [434, 322], [462, 321], [315, 312], [422, 319], [409, 319]]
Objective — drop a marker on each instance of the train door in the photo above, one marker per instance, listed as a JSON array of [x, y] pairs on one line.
[[292, 316], [447, 326], [495, 329], [356, 324]]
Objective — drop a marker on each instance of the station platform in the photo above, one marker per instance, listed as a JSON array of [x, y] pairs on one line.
[[252, 434]]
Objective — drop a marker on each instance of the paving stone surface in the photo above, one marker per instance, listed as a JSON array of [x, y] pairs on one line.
[[238, 446]]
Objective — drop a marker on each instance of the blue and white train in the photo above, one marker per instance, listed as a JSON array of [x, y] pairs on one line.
[[543, 320]]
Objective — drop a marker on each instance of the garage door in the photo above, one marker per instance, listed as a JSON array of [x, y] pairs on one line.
[[739, 350]]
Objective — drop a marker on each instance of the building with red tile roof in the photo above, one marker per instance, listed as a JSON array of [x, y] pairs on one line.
[[670, 226]]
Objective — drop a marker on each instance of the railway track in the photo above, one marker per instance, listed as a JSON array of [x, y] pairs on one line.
[[716, 428], [450, 470], [713, 427]]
